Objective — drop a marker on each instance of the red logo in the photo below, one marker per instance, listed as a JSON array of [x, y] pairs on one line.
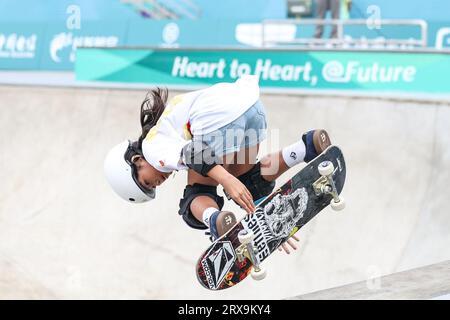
[[188, 126], [162, 163]]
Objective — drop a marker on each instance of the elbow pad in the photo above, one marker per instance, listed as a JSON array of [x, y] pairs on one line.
[[199, 157]]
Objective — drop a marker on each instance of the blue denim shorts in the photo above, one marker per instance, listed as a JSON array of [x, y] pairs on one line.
[[246, 131]]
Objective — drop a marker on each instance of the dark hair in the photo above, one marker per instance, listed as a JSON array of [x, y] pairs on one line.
[[151, 110]]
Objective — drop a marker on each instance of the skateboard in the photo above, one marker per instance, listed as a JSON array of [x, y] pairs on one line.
[[240, 251]]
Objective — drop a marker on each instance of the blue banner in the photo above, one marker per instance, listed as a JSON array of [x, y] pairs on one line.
[[52, 45]]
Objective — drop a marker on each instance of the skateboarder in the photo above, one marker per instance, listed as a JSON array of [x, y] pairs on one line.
[[215, 134]]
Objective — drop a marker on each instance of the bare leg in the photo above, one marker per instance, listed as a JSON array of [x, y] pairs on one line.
[[200, 204], [244, 160], [235, 163], [273, 166]]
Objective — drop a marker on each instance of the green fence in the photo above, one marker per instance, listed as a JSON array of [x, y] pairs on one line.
[[316, 70]]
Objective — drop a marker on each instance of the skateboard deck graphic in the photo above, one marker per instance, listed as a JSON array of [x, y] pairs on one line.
[[276, 218]]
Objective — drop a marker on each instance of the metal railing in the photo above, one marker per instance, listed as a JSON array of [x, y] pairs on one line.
[[341, 39]]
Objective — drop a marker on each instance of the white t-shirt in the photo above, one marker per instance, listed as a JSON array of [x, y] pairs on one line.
[[196, 113]]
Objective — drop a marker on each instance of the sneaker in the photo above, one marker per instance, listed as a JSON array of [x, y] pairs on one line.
[[220, 222], [316, 141]]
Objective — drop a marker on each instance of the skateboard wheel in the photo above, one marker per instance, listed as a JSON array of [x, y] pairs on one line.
[[326, 168], [337, 206], [260, 274], [245, 236]]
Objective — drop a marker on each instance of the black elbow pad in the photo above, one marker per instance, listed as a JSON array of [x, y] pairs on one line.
[[199, 157]]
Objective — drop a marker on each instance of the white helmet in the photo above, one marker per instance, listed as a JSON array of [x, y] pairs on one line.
[[121, 174]]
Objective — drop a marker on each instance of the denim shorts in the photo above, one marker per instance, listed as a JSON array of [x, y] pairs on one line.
[[246, 131]]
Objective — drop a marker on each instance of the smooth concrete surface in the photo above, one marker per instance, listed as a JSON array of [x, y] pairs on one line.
[[65, 235], [430, 282]]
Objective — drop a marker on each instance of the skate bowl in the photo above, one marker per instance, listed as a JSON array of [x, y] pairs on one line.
[[429, 282], [65, 235]]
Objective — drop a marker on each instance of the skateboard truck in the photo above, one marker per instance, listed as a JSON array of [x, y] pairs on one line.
[[246, 250], [325, 185]]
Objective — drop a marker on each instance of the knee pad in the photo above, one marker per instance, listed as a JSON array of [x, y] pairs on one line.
[[189, 194], [256, 184]]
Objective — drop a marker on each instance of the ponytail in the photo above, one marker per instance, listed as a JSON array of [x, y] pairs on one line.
[[151, 110]]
